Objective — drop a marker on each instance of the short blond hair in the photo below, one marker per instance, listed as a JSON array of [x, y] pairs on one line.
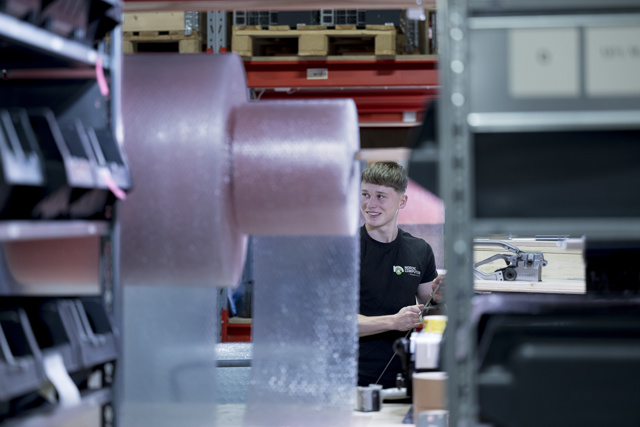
[[387, 174]]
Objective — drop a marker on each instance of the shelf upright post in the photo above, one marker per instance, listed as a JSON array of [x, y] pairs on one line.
[[111, 293], [110, 245], [217, 31], [455, 178]]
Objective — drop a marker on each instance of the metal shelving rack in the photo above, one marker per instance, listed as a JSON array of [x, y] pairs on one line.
[[389, 92], [478, 105], [50, 44], [35, 60], [457, 194]]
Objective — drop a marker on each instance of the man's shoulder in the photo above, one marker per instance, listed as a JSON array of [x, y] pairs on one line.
[[405, 235], [416, 243]]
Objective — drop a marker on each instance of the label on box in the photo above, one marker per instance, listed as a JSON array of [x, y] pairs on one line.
[[317, 73], [612, 61], [544, 63]]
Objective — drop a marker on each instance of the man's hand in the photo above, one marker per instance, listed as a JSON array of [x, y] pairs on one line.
[[408, 317], [439, 295], [426, 289]]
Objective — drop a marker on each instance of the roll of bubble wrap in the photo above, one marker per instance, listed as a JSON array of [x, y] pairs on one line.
[[210, 167], [178, 226], [294, 171]]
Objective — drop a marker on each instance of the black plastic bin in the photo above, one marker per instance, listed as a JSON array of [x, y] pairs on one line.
[[25, 10], [104, 16], [51, 332], [67, 18], [22, 176], [109, 158], [21, 369], [73, 188], [93, 332]]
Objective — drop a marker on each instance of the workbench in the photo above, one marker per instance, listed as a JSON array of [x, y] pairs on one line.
[[391, 415]]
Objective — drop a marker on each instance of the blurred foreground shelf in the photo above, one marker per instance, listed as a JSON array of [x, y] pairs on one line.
[[36, 230]]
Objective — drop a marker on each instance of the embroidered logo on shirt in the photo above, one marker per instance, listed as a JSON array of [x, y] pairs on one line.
[[407, 269], [412, 271]]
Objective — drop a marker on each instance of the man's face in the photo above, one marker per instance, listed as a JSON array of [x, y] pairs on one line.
[[379, 204]]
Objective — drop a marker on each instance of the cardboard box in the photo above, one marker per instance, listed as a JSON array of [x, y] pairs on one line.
[[429, 392]]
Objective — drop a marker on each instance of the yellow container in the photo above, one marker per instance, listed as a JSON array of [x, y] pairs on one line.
[[434, 324]]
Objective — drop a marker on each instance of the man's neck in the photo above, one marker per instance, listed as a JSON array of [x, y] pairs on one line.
[[385, 234]]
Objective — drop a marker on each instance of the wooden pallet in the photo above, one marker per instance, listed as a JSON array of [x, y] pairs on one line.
[[158, 32], [172, 41], [153, 21], [314, 40]]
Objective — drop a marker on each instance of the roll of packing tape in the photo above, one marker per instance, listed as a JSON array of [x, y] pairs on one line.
[[369, 399], [429, 392]]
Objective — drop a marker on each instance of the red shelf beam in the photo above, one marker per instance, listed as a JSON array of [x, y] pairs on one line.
[[349, 73], [383, 91]]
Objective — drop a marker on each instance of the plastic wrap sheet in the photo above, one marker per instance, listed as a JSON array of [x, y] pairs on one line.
[[233, 381], [178, 226], [305, 331], [294, 170], [169, 356]]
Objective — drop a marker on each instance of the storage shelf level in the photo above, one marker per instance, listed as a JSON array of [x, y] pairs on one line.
[[596, 228], [39, 230], [44, 41]]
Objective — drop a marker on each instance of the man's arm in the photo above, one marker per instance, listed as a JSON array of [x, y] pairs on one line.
[[425, 289], [405, 319]]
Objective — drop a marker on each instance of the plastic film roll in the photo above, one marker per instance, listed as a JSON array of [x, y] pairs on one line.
[[210, 167], [169, 356], [305, 331], [178, 226], [294, 168]]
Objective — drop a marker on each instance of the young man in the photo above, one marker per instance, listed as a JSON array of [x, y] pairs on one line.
[[397, 274]]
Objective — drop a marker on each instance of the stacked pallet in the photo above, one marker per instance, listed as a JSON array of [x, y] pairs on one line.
[[314, 40], [159, 32]]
